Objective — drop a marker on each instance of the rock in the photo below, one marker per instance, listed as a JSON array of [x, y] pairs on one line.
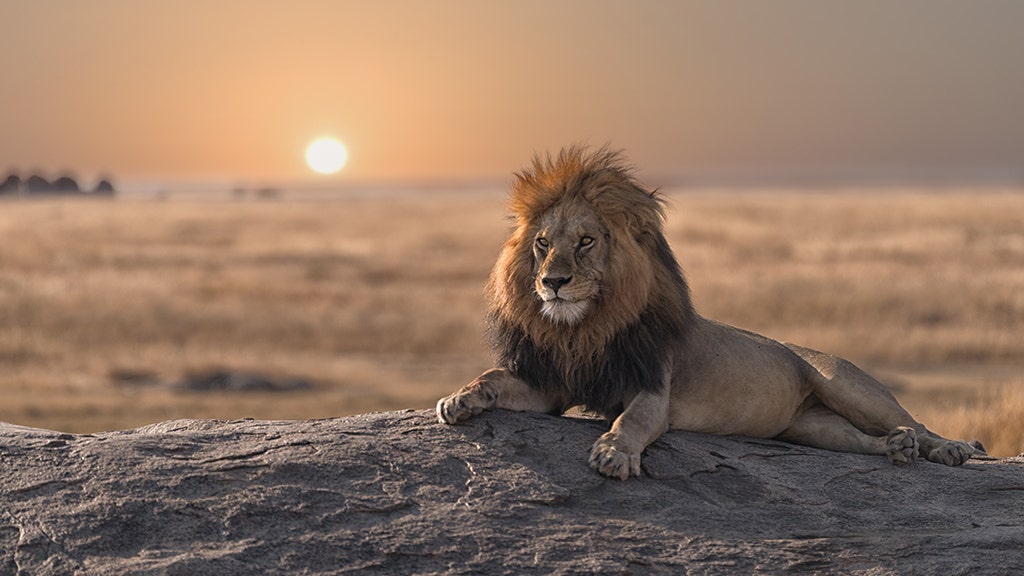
[[507, 493]]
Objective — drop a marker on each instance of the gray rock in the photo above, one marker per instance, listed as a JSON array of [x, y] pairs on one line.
[[507, 493]]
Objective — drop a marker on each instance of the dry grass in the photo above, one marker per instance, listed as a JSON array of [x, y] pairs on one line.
[[378, 300]]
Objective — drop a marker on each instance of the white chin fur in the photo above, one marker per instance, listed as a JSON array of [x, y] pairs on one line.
[[559, 310]]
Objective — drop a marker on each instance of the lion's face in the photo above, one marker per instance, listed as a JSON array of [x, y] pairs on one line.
[[570, 250]]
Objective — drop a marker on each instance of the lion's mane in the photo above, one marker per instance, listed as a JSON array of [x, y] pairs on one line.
[[643, 309]]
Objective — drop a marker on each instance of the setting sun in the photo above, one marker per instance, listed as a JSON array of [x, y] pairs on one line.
[[326, 155]]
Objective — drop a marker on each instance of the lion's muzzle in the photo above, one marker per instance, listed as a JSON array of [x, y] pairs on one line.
[[555, 282]]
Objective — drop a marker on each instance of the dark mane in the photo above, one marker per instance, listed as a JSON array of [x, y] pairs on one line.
[[624, 348], [631, 363]]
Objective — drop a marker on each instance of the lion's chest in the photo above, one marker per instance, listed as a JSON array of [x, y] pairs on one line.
[[601, 378]]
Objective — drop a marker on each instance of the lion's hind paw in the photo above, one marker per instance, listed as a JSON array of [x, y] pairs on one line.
[[901, 445], [951, 453]]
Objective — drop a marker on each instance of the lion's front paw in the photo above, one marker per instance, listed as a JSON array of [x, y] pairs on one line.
[[612, 461], [901, 445], [468, 402], [458, 407]]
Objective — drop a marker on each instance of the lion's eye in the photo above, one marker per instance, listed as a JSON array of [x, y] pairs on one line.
[[542, 243], [586, 241]]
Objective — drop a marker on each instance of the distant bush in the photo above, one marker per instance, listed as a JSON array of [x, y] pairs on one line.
[[35, 184]]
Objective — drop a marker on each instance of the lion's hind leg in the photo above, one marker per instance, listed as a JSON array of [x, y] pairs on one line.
[[863, 401], [820, 427]]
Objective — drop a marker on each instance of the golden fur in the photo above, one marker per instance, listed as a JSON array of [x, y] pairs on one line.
[[634, 279], [588, 307]]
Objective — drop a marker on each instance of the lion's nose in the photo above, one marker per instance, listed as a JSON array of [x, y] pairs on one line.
[[555, 282]]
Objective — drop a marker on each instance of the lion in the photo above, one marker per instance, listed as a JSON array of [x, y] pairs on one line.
[[588, 307]]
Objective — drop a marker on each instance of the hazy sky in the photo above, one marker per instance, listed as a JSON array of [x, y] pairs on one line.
[[199, 89]]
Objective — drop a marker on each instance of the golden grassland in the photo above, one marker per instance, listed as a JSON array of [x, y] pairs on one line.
[[378, 300]]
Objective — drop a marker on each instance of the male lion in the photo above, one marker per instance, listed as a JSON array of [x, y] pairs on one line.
[[588, 307]]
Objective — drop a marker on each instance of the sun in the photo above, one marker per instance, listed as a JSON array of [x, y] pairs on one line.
[[326, 155]]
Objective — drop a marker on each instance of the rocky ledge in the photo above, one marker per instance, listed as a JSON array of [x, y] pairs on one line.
[[397, 493]]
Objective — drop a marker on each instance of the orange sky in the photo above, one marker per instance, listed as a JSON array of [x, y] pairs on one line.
[[235, 89]]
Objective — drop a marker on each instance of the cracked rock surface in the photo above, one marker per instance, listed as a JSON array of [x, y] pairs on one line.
[[506, 493]]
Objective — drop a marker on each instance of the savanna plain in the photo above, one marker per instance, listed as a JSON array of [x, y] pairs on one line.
[[376, 299]]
